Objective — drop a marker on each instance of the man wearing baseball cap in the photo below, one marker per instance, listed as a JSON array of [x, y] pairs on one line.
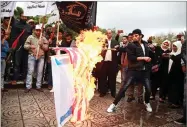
[[32, 43], [138, 69]]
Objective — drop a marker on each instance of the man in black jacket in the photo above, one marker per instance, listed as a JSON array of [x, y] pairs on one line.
[[138, 69], [108, 66]]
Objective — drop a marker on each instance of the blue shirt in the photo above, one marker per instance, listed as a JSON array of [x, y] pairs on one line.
[[4, 49]]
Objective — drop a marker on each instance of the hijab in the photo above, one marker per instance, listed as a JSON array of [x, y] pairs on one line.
[[178, 44], [167, 47]]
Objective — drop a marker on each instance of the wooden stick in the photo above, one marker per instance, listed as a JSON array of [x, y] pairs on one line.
[[58, 24], [9, 23], [38, 47]]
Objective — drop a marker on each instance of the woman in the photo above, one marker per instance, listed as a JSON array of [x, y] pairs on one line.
[[165, 50], [176, 76]]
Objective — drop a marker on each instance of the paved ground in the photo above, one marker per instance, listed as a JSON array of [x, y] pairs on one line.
[[36, 109]]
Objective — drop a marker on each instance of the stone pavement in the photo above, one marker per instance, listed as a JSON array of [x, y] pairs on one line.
[[36, 109]]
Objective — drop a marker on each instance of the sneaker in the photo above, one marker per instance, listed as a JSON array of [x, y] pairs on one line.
[[50, 87], [52, 90], [111, 108], [180, 121], [148, 107], [39, 89], [152, 98]]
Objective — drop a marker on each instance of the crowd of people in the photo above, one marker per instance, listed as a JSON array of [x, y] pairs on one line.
[[142, 63]]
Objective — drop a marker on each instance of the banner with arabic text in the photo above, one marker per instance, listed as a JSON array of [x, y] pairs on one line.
[[78, 15], [35, 8], [7, 8]]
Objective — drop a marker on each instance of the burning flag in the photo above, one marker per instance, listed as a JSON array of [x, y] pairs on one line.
[[83, 60]]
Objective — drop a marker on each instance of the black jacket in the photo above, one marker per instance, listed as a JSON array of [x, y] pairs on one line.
[[134, 50], [184, 52]]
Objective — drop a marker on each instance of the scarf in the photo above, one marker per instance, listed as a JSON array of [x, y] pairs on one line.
[[179, 46], [167, 47]]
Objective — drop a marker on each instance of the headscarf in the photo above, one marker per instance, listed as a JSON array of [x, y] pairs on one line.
[[178, 44], [167, 47]]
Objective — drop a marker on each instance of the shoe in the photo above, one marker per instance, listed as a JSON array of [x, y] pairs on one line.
[[50, 87], [27, 90], [180, 121], [111, 108], [4, 90], [52, 91], [148, 107], [14, 82], [161, 100], [39, 89], [130, 99], [102, 94]]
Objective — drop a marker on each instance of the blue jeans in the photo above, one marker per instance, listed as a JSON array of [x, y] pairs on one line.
[[31, 67], [3, 66]]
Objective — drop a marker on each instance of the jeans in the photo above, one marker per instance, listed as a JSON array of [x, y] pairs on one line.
[[135, 76], [3, 66], [31, 67], [123, 74]]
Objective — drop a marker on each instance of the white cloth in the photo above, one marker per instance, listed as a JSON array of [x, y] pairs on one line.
[[63, 86], [179, 46], [108, 56], [167, 47], [7, 8], [143, 48]]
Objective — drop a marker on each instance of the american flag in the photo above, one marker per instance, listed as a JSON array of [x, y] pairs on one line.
[[78, 59]]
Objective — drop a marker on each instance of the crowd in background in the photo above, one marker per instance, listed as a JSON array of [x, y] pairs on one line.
[[141, 62]]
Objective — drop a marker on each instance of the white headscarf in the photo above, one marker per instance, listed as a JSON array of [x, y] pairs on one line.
[[178, 44], [168, 46]]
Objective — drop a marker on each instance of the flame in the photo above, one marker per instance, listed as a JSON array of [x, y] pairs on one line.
[[89, 45]]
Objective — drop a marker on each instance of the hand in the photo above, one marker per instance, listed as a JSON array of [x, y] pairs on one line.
[[147, 59], [117, 46], [40, 42], [184, 69]]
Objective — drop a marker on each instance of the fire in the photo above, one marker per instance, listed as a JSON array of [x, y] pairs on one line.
[[89, 45]]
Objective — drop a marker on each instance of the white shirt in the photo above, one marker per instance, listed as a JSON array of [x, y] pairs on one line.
[[143, 48], [108, 56]]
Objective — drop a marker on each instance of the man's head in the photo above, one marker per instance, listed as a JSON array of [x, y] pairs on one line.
[[37, 30], [2, 33], [23, 18], [130, 37], [60, 34], [31, 23], [125, 39], [109, 34], [137, 35], [6, 21], [68, 37]]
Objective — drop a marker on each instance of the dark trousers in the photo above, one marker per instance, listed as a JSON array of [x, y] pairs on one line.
[[107, 78], [184, 102], [20, 63], [50, 79], [155, 82], [132, 77]]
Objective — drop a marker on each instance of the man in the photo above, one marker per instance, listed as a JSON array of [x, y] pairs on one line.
[[150, 40], [109, 66], [5, 27], [4, 51], [124, 63], [138, 69], [130, 37], [31, 45], [20, 54], [183, 52]]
